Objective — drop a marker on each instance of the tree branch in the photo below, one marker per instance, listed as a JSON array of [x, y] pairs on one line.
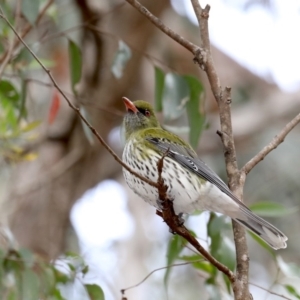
[[176, 225], [159, 24], [276, 141], [7, 55], [204, 59]]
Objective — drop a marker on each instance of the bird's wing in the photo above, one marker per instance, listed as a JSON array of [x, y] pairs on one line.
[[189, 160]]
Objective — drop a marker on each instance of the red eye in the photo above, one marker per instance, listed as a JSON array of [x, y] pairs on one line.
[[147, 113]]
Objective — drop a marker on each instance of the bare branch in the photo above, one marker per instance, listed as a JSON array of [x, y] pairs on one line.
[[159, 269], [158, 23], [176, 225], [6, 56], [276, 141], [76, 109]]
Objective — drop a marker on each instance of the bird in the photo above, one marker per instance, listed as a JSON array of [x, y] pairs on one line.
[[191, 183]]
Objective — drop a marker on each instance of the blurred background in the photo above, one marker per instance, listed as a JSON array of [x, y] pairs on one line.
[[60, 190]]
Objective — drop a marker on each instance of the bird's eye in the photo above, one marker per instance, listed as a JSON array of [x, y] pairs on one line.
[[147, 113]]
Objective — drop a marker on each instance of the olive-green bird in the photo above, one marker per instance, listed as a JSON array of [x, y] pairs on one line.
[[192, 185]]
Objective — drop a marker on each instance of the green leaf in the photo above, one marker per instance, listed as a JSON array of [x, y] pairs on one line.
[[30, 9], [85, 270], [292, 291], [196, 118], [214, 230], [262, 243], [33, 65], [8, 91], [175, 96], [159, 88], [213, 291], [288, 269], [87, 131], [221, 247], [30, 126], [27, 257], [121, 58], [30, 285], [22, 109], [176, 244], [201, 264], [226, 253], [75, 61], [95, 292], [271, 209]]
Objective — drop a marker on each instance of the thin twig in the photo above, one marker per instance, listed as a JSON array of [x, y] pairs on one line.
[[176, 225], [159, 269], [158, 23], [276, 141], [76, 109], [27, 28]]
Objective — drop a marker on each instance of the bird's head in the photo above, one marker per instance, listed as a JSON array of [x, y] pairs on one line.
[[140, 115]]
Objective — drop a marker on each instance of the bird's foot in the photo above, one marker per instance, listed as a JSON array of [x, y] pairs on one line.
[[160, 204], [181, 220]]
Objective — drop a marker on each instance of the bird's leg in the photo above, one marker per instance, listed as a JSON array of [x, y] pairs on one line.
[[181, 220], [161, 204]]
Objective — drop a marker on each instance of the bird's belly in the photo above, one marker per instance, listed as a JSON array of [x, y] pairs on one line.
[[183, 186]]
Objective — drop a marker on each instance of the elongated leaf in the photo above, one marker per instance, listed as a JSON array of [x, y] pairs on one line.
[[95, 292], [30, 285], [196, 118], [8, 91], [176, 244], [292, 291], [201, 264], [288, 269], [121, 58], [22, 109], [75, 61], [271, 209], [159, 88], [30, 126], [214, 231], [30, 9], [175, 96]]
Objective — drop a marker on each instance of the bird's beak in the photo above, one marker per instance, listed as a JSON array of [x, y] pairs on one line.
[[129, 105]]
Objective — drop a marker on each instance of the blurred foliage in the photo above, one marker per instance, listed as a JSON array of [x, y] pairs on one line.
[[23, 275]]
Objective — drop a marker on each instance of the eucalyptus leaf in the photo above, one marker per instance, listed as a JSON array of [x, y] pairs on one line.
[[30, 9], [292, 291], [8, 91], [159, 88], [271, 209], [95, 292], [175, 96], [176, 244], [196, 118], [288, 269], [75, 61], [121, 58]]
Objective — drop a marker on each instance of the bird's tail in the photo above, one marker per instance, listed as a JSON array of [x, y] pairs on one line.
[[266, 231]]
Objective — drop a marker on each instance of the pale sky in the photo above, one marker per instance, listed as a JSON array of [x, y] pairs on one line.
[[265, 41]]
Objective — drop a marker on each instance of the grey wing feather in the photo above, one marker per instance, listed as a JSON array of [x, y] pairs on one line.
[[188, 159]]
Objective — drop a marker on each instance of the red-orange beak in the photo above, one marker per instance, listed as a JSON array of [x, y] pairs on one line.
[[129, 105]]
